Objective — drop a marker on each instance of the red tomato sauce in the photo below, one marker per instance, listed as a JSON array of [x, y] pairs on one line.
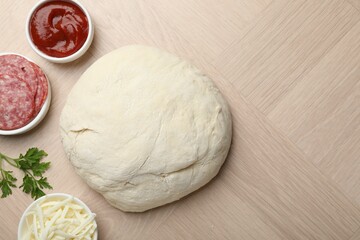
[[59, 28]]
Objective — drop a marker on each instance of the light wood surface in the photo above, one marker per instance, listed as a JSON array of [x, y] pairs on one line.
[[290, 71]]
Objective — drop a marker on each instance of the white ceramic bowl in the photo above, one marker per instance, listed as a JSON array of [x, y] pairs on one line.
[[39, 117], [75, 55], [54, 196]]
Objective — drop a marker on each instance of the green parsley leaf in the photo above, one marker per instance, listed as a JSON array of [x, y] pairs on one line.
[[40, 168], [34, 155], [33, 169], [28, 184], [7, 182], [24, 165], [37, 193], [43, 183], [5, 188], [9, 177]]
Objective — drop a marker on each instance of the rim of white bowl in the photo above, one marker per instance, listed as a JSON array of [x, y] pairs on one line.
[[43, 111], [54, 195], [73, 56]]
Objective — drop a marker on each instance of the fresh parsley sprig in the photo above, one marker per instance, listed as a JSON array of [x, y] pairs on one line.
[[32, 167]]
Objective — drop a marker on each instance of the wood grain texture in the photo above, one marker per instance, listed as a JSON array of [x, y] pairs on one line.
[[355, 3], [279, 49], [356, 236], [329, 135], [290, 72]]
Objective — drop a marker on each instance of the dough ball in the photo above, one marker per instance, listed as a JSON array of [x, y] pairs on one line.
[[145, 128]]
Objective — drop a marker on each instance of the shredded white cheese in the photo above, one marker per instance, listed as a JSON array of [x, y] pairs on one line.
[[63, 219]]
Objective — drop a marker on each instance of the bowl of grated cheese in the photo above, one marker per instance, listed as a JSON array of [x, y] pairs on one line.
[[57, 216]]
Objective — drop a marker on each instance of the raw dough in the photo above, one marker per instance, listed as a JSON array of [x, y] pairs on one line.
[[145, 128]]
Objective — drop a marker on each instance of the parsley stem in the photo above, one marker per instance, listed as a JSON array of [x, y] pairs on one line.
[[9, 160], [1, 160], [2, 173], [29, 173]]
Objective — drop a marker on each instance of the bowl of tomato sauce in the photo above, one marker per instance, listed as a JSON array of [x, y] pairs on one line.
[[60, 31]]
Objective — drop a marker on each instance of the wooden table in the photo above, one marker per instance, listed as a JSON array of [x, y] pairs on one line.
[[291, 73]]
